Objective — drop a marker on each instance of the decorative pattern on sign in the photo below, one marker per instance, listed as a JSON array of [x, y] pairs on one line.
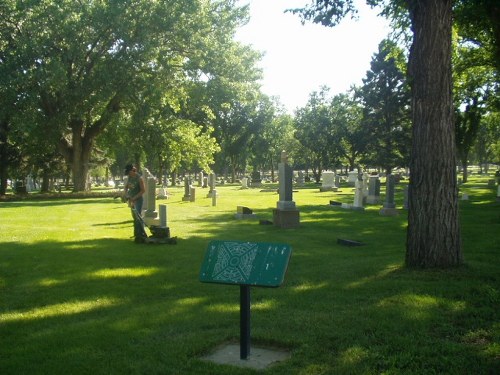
[[234, 261]]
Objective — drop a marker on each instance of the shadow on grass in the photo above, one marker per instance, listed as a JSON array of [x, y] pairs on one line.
[[112, 306], [57, 202]]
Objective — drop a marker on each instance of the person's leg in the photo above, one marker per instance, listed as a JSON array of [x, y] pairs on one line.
[[138, 227]]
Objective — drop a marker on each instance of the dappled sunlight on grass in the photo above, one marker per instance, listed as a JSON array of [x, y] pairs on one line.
[[307, 286], [353, 355], [184, 305], [50, 282], [224, 307], [124, 272], [193, 301], [77, 246], [415, 306], [60, 309], [264, 305], [381, 274], [78, 295]]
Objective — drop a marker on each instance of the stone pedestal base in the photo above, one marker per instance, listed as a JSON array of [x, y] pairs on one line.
[[150, 214], [372, 199], [328, 188], [151, 221], [244, 216], [389, 211], [286, 218]]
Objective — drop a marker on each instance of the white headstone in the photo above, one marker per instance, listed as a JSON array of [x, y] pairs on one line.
[[352, 177], [244, 183], [358, 195]]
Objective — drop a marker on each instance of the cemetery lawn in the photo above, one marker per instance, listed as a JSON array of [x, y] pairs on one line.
[[78, 296]]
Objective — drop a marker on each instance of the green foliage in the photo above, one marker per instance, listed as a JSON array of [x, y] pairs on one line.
[[475, 98], [385, 97], [82, 63], [314, 129], [478, 22], [330, 130]]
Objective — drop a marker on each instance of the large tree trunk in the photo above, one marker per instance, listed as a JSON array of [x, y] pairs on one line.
[[433, 237], [77, 153]]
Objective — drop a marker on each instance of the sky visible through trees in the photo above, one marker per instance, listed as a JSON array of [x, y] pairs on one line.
[[300, 58]]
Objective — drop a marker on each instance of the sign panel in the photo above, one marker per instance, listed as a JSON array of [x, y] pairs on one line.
[[245, 263]]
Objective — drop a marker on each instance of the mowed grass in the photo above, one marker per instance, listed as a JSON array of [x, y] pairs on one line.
[[78, 296]]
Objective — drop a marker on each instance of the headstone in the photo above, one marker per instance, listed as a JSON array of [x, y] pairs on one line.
[[162, 193], [151, 212], [30, 184], [163, 215], [389, 208], [192, 193], [373, 190], [358, 195], [243, 212], [205, 182], [286, 215], [200, 179], [352, 177], [328, 183], [211, 185], [244, 183], [345, 242], [365, 185], [145, 177], [338, 179], [214, 198], [300, 178], [187, 190], [256, 179]]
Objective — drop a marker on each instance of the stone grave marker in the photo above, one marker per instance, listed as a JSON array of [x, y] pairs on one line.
[[243, 212], [187, 190], [389, 208], [328, 183], [358, 196], [373, 190], [285, 215]]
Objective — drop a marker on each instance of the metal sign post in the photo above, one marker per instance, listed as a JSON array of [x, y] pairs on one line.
[[245, 264]]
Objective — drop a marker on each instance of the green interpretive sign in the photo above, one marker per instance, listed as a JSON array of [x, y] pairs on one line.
[[245, 263]]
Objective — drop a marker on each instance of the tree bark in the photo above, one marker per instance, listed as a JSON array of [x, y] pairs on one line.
[[433, 236]]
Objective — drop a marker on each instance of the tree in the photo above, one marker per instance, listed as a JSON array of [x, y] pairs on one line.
[[433, 235], [348, 131], [475, 85], [385, 97], [313, 126], [276, 136], [90, 59], [478, 22], [487, 146]]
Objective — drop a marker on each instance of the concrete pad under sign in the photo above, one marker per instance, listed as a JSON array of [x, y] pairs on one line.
[[259, 358]]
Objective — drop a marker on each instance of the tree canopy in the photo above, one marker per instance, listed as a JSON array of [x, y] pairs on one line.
[[80, 63]]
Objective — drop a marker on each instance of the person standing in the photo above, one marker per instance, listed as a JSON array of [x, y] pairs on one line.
[[134, 191]]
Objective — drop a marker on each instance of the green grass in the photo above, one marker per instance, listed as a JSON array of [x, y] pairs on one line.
[[77, 296]]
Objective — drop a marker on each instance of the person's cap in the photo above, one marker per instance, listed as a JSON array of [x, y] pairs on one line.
[[128, 168]]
